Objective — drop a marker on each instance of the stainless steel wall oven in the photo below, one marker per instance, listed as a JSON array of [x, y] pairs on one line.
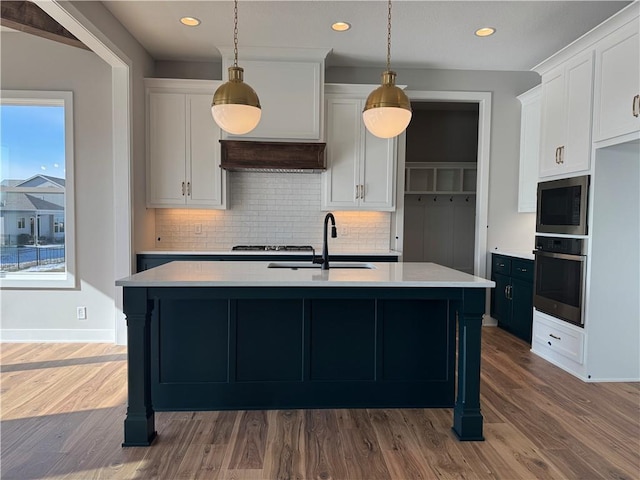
[[559, 278]]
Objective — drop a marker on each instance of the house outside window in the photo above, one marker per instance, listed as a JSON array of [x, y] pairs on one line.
[[36, 190], [58, 225]]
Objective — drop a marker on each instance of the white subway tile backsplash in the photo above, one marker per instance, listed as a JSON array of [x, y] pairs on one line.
[[271, 209]]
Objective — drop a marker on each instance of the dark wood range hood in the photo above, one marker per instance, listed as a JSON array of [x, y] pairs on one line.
[[286, 157]]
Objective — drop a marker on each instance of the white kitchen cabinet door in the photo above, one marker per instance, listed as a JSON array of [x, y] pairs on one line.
[[529, 149], [343, 153], [360, 167], [553, 121], [617, 85], [166, 185], [567, 93], [183, 147], [579, 101], [204, 175], [377, 172]]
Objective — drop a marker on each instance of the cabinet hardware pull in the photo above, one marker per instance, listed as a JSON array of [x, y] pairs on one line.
[[189, 188], [562, 154], [553, 336], [557, 160], [501, 265], [636, 106], [183, 189], [522, 270], [357, 192], [362, 192]]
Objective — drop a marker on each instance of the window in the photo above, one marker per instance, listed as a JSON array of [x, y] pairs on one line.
[[58, 225], [36, 189]]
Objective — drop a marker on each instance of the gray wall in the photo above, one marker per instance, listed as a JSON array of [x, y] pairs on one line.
[[507, 229], [25, 59], [33, 63]]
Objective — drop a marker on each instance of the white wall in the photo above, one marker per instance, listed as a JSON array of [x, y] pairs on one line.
[[32, 63], [507, 229]]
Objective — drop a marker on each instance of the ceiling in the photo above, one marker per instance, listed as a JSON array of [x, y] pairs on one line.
[[425, 34]]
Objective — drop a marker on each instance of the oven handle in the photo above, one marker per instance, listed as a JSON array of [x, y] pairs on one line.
[[563, 256]]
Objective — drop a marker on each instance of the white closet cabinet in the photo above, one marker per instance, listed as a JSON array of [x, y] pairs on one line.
[[567, 93], [360, 166], [183, 149], [617, 85]]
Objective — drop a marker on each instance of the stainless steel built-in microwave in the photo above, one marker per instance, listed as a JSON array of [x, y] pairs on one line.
[[562, 206]]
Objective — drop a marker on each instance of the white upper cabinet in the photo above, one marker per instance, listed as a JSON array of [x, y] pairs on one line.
[[567, 92], [289, 84], [360, 166], [617, 85], [183, 148], [529, 149]]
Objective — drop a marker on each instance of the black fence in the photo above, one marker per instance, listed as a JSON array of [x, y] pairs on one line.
[[13, 259]]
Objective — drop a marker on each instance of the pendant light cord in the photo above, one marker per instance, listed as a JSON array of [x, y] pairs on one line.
[[235, 33], [389, 38]]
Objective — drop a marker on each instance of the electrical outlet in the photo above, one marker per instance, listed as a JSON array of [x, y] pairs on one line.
[[197, 228], [344, 231], [81, 313]]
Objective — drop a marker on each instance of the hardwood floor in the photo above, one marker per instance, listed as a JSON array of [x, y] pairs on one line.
[[63, 407]]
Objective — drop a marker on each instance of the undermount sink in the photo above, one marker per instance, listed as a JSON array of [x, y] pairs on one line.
[[296, 265]]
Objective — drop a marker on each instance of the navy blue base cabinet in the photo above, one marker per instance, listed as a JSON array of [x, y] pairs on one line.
[[512, 299], [204, 348]]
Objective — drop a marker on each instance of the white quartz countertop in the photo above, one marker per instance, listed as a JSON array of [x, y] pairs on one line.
[[266, 252], [256, 274], [528, 255]]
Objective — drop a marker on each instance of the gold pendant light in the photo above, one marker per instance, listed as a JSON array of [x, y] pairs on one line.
[[387, 111], [235, 106]]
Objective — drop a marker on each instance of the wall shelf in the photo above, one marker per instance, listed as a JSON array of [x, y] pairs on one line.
[[440, 177]]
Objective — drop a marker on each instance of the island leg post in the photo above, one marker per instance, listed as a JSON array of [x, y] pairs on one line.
[[467, 419], [139, 424]]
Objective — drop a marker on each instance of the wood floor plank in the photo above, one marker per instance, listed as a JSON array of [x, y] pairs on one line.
[[63, 407], [248, 453], [325, 458], [285, 446], [399, 446], [362, 451]]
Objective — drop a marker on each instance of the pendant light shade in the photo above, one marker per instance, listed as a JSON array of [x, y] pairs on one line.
[[387, 111], [235, 106]]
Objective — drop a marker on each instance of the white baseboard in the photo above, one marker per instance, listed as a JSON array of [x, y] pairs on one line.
[[57, 336], [489, 321]]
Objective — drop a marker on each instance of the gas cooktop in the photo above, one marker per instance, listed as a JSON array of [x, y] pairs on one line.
[[274, 248]]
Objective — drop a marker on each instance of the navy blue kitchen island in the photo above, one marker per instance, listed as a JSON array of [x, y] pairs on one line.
[[239, 335]]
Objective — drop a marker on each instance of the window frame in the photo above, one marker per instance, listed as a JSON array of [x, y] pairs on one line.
[[68, 278]]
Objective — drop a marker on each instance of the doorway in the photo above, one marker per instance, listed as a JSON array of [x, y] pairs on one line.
[[440, 184]]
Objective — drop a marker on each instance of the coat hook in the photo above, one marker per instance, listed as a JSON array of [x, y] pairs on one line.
[[435, 199], [466, 199], [451, 199], [419, 199]]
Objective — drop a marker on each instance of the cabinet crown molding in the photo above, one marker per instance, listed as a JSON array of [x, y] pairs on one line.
[[588, 40]]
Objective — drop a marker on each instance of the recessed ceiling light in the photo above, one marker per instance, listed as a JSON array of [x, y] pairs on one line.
[[190, 21], [341, 26], [485, 31]]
